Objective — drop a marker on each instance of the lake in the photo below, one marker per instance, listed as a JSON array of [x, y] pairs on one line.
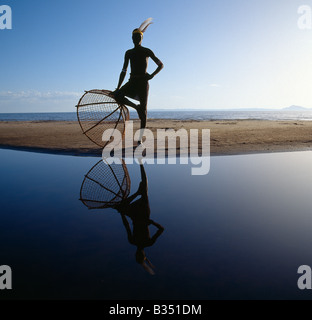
[[198, 115], [240, 232]]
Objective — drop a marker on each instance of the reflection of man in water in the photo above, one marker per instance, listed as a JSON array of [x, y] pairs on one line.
[[139, 212], [137, 87]]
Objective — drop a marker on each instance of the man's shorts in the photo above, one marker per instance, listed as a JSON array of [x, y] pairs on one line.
[[136, 89]]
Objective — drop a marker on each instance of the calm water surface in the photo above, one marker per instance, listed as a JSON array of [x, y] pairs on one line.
[[241, 232], [174, 114]]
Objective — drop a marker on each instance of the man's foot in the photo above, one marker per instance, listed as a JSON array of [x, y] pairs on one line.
[[142, 148], [140, 142]]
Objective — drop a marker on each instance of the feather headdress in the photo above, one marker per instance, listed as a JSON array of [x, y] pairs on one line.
[[143, 26]]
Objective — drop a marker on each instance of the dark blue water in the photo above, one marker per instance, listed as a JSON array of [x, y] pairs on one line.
[[241, 232], [175, 114]]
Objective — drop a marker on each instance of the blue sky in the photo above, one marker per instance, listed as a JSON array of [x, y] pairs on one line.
[[217, 53]]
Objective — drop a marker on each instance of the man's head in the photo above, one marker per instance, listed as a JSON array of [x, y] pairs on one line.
[[137, 34], [141, 259]]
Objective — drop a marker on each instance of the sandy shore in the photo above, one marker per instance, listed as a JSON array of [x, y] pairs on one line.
[[227, 137]]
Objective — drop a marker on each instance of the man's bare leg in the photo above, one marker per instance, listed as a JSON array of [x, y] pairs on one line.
[[120, 99], [143, 116], [123, 100]]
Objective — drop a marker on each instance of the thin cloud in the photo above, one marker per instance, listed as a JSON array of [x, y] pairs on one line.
[[37, 95]]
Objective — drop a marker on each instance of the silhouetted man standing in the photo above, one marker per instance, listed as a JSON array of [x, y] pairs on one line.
[[137, 87]]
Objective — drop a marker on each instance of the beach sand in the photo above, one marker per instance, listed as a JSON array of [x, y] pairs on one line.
[[227, 137]]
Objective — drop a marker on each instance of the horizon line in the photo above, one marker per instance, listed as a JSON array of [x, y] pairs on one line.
[[183, 109]]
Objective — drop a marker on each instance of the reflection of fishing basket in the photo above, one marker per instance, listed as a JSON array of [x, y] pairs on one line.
[[105, 185]]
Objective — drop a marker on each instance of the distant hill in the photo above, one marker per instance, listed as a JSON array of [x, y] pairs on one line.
[[294, 108]]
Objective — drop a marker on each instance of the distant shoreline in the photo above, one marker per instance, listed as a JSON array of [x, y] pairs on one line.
[[177, 114], [227, 137]]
